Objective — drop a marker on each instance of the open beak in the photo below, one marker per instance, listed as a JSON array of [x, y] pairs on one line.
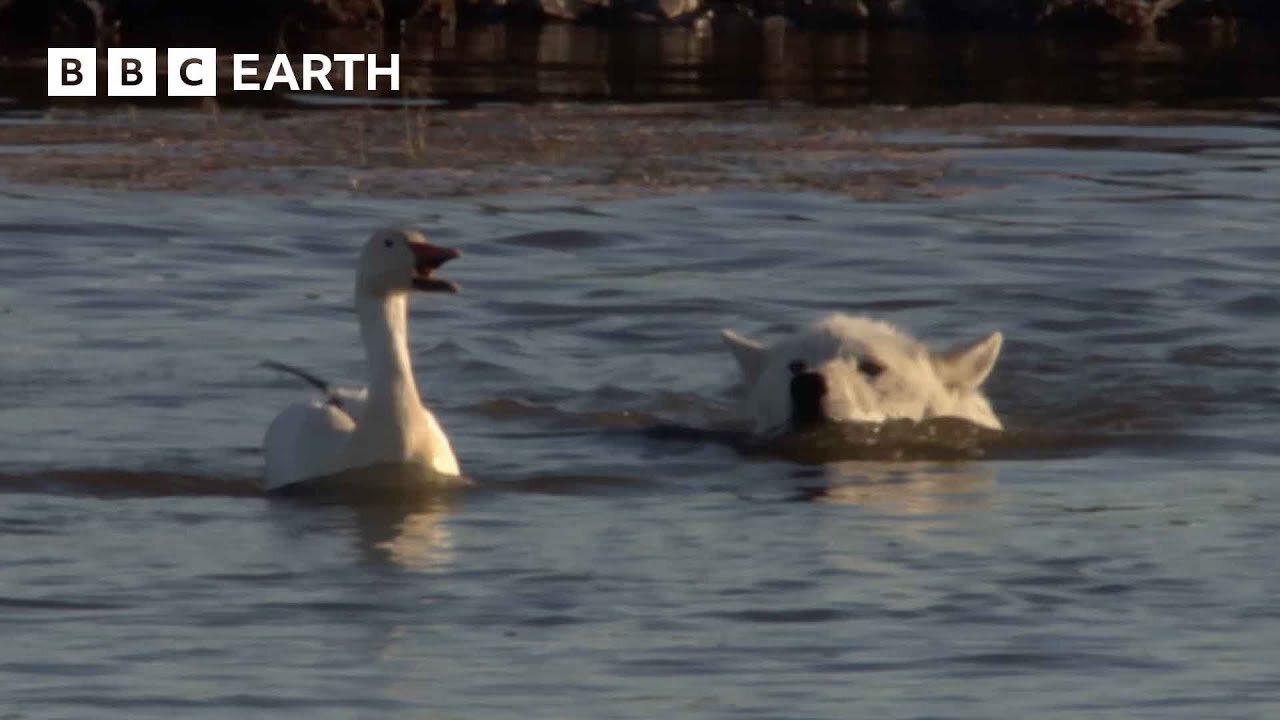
[[428, 258]]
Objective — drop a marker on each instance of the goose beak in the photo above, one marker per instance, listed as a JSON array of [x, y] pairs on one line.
[[428, 258]]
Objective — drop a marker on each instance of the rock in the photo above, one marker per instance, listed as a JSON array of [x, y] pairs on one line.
[[255, 13], [561, 9], [49, 22], [482, 11], [811, 13], [981, 14], [679, 9], [644, 11], [394, 11], [1089, 16], [895, 12], [88, 22], [340, 12]]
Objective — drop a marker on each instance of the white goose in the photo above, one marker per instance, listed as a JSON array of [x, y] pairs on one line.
[[387, 423]]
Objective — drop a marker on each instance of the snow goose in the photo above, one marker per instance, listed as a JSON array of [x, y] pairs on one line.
[[385, 424]]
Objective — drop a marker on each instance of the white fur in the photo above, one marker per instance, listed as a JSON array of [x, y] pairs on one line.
[[916, 383]]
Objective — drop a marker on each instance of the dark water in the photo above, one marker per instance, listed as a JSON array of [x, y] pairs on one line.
[[773, 61], [736, 60], [1114, 557]]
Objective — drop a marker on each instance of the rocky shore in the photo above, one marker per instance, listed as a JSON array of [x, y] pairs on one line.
[[38, 22]]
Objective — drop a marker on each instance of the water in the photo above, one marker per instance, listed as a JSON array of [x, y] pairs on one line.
[[617, 557], [730, 58]]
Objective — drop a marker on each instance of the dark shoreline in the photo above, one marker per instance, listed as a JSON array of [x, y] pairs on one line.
[[37, 23], [563, 62]]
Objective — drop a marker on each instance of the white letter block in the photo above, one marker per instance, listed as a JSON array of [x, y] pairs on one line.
[[131, 72], [73, 72], [193, 72]]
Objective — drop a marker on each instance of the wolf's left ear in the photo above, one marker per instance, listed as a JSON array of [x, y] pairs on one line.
[[749, 353], [968, 364]]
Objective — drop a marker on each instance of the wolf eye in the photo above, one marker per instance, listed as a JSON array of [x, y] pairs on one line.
[[870, 368], [388, 242]]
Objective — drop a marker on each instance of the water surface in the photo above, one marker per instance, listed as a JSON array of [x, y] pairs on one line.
[[1114, 558]]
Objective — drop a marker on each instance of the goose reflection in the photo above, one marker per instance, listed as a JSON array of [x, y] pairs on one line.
[[400, 515]]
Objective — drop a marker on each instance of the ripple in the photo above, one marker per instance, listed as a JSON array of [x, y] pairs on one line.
[[1029, 662], [1225, 356], [564, 240], [111, 483], [1259, 305], [793, 615], [588, 485], [31, 603]]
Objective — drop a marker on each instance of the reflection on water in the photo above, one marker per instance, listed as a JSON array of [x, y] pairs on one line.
[[398, 511], [420, 540], [909, 505], [395, 514], [773, 61], [722, 60], [910, 488]]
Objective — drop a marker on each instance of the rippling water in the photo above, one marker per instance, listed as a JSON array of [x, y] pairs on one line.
[[1113, 556]]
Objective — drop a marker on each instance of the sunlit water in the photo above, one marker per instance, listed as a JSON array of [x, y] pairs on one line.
[[619, 554]]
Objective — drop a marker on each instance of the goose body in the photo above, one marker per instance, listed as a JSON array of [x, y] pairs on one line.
[[386, 423]]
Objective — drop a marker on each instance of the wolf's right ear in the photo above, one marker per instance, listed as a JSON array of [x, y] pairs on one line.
[[749, 353], [968, 364]]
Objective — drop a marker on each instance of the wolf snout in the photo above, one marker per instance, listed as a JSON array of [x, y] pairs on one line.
[[808, 389]]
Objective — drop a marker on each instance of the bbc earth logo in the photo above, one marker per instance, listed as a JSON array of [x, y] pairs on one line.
[[193, 72]]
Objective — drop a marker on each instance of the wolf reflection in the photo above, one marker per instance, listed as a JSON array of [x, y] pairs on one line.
[[912, 488], [899, 466]]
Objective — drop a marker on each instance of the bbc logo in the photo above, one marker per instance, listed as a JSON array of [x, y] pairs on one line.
[[132, 72], [193, 72]]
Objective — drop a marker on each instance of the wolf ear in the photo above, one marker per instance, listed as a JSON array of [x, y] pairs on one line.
[[968, 364], [749, 353]]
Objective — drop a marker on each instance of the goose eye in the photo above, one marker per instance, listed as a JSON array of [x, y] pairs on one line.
[[870, 368], [388, 242]]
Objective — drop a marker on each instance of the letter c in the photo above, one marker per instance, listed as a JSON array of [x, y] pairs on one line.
[[182, 71]]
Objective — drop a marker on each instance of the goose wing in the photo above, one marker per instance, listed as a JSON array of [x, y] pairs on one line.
[[305, 441]]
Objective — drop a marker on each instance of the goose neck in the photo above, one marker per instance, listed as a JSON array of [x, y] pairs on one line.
[[384, 329]]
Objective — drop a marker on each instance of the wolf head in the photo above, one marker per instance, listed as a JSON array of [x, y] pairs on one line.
[[846, 368]]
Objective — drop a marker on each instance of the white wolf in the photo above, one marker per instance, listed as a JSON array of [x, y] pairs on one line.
[[846, 368]]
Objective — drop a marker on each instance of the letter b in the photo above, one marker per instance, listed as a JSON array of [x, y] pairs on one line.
[[131, 72], [73, 72]]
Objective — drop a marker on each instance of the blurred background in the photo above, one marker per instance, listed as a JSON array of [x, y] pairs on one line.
[[821, 51]]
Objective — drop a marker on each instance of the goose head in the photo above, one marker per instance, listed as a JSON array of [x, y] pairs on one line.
[[401, 260]]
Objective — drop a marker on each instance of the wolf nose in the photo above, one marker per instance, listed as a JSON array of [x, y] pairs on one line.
[[807, 391]]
